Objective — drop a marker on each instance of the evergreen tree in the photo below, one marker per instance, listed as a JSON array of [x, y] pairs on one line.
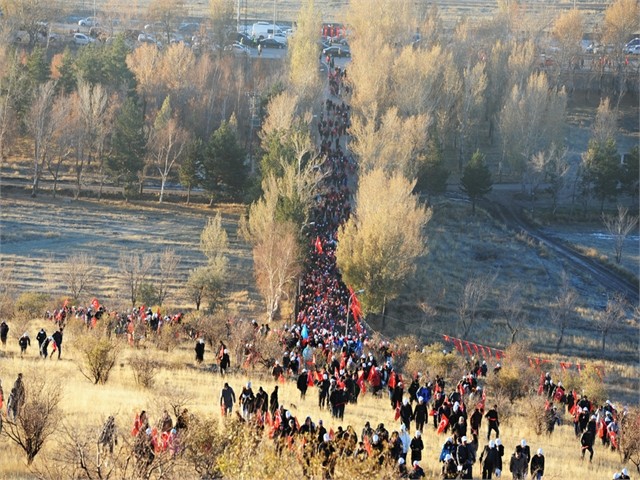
[[476, 180], [631, 173], [38, 67], [189, 172], [128, 147], [224, 162], [67, 81], [433, 175], [602, 170]]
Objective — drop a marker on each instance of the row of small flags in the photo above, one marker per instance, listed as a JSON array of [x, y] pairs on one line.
[[464, 347]]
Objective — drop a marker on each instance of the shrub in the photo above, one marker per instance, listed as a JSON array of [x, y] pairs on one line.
[[432, 360], [593, 384], [99, 355], [38, 418], [516, 379], [31, 304], [169, 337], [144, 370]]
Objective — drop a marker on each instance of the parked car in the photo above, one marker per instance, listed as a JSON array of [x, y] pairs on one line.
[[634, 50], [88, 22], [337, 51], [82, 39], [245, 39], [631, 47], [238, 49], [279, 37], [271, 43]]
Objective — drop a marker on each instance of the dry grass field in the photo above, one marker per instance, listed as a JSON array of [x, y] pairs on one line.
[[85, 405]]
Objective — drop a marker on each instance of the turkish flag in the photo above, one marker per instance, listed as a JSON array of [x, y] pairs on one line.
[[443, 424], [318, 246]]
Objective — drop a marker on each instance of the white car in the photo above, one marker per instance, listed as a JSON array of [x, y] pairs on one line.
[[88, 22], [82, 39], [634, 50]]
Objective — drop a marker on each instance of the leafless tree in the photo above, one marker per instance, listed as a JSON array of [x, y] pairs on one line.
[[41, 127], [38, 418], [133, 269], [619, 226], [78, 274], [476, 291], [62, 148], [167, 264], [563, 311], [510, 304], [613, 314]]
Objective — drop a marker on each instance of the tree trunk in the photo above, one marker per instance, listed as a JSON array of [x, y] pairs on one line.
[[188, 194], [604, 338], [560, 340], [163, 180]]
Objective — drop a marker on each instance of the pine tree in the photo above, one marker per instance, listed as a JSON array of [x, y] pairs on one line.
[[602, 170], [67, 81], [128, 147], [223, 163], [190, 167], [476, 180]]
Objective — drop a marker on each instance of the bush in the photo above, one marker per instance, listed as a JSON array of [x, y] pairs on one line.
[[516, 379], [169, 337], [38, 417], [432, 361], [144, 370], [32, 304], [593, 384], [99, 355]]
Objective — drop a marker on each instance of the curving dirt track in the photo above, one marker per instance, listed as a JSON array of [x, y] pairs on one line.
[[511, 214]]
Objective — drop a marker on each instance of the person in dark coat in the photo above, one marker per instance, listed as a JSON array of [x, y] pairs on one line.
[[17, 398], [500, 449], [302, 383], [475, 422], [57, 338], [420, 414], [494, 421], [273, 401], [465, 458], [518, 464], [537, 465], [586, 442], [4, 331], [406, 414], [199, 348], [225, 362], [41, 337], [24, 342], [227, 399], [416, 446], [488, 459], [449, 468], [262, 401]]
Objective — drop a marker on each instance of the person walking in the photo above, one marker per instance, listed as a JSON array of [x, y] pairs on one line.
[[57, 342], [199, 348], [518, 464], [488, 459], [494, 422], [537, 465], [4, 331], [41, 337], [225, 361], [24, 341], [227, 399]]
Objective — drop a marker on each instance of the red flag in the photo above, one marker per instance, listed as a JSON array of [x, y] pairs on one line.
[[613, 436], [267, 419], [443, 424], [318, 246], [475, 347], [397, 415], [367, 445], [446, 338], [490, 352], [499, 354], [356, 309], [360, 382], [466, 344], [541, 384], [563, 366], [310, 379], [331, 434], [392, 380], [95, 304], [458, 344], [281, 379], [66, 302]]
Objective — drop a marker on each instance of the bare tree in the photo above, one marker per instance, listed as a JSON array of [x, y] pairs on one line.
[[167, 14], [563, 312], [613, 314], [92, 104], [167, 141], [38, 418], [167, 263], [476, 291], [133, 269], [277, 264], [62, 148], [510, 304], [619, 226], [78, 274], [41, 126]]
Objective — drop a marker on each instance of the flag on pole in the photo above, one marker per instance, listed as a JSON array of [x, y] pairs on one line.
[[318, 246]]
